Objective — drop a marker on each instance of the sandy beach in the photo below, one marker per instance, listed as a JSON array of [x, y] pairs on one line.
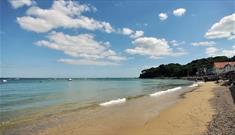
[[209, 110], [192, 114], [197, 111], [189, 115]]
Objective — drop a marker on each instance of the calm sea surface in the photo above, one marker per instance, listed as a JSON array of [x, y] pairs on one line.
[[25, 99]]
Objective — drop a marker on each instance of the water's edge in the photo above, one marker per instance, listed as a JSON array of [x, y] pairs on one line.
[[121, 100]]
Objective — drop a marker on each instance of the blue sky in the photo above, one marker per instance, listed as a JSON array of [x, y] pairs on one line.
[[91, 38]]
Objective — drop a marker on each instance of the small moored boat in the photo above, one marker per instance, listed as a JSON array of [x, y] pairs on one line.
[[4, 81]]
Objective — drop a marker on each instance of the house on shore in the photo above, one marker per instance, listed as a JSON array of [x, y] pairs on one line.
[[224, 67]]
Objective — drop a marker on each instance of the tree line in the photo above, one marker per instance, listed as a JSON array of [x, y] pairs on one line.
[[190, 69]]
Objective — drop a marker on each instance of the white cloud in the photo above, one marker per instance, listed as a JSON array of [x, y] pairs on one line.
[[132, 33], [179, 12], [62, 14], [176, 43], [137, 34], [213, 51], [163, 16], [67, 14], [127, 31], [20, 3], [82, 46], [34, 24], [86, 62], [205, 43], [225, 28], [153, 47]]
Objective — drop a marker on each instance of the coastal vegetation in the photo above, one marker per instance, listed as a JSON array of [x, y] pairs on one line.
[[199, 66]]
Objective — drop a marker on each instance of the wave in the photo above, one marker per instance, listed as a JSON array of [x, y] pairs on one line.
[[164, 92], [113, 102], [200, 82], [195, 84]]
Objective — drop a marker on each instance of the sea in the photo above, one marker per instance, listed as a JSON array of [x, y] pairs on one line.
[[29, 99]]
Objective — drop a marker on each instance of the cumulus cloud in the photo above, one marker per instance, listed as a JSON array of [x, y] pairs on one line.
[[153, 47], [83, 46], [176, 43], [67, 15], [163, 16], [213, 51], [132, 33], [137, 34], [225, 28], [20, 3], [62, 14], [179, 12], [127, 31], [205, 43]]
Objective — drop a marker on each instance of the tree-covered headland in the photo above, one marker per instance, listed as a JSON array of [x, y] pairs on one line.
[[193, 68]]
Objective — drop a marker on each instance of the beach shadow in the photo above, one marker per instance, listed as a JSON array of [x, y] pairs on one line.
[[232, 89]]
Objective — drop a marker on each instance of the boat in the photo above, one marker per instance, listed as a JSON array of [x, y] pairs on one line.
[[4, 81], [70, 79]]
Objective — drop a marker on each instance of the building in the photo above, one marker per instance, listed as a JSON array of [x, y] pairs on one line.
[[224, 67]]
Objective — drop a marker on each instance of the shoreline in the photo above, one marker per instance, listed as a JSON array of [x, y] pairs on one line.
[[129, 114], [75, 108], [190, 115], [188, 111]]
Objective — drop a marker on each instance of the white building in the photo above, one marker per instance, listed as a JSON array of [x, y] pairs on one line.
[[224, 67]]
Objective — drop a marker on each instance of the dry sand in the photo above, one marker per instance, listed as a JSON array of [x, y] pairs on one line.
[[190, 116]]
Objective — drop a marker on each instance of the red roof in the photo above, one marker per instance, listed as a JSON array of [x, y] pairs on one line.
[[223, 64]]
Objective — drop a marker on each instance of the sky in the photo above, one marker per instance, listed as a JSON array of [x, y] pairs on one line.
[[110, 38]]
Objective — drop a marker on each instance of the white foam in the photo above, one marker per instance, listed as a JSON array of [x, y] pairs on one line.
[[164, 92], [200, 82], [196, 84], [112, 102]]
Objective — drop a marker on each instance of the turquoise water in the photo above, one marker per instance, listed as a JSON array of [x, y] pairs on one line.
[[34, 98]]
